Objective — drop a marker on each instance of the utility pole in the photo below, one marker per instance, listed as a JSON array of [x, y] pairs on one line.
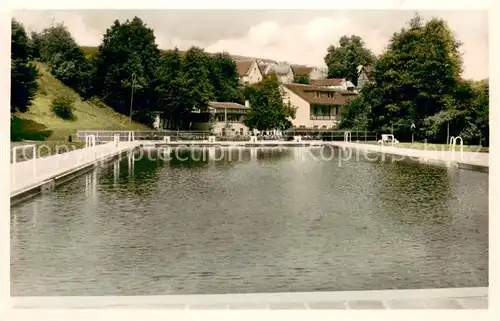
[[132, 97]]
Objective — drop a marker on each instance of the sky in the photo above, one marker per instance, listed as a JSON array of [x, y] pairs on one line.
[[295, 36]]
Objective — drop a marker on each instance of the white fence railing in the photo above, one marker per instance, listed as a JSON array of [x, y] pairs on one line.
[[38, 169], [123, 136], [173, 136]]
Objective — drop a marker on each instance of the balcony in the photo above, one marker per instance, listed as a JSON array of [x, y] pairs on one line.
[[318, 117]]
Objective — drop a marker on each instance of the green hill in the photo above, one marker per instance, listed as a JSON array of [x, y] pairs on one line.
[[41, 118]]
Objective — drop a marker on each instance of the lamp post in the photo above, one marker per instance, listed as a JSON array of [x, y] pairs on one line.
[[132, 97]]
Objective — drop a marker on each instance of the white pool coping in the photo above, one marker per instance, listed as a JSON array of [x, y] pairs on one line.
[[223, 301]]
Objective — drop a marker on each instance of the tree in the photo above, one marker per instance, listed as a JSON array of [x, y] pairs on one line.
[[126, 62], [224, 77], [469, 117], [416, 81], [268, 111], [301, 79], [356, 114], [170, 92], [196, 64], [24, 74], [343, 60], [35, 45], [480, 110], [65, 58]]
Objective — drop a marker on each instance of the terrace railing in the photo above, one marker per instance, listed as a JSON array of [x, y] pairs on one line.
[[103, 136], [332, 135]]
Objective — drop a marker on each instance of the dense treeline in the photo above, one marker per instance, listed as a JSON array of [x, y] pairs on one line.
[[416, 86], [129, 74], [23, 74]]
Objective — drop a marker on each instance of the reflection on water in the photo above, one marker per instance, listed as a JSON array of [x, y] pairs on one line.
[[249, 220]]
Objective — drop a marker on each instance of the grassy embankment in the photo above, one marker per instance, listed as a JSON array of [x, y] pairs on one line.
[[41, 126]]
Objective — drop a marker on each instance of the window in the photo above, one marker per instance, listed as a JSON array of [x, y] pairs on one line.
[[302, 126], [241, 131], [336, 110]]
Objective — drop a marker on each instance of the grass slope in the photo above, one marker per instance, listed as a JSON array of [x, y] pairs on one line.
[[89, 114]]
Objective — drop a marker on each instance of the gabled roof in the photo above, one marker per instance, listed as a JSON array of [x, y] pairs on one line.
[[368, 70], [279, 69], [221, 105], [327, 82], [262, 64], [308, 93], [299, 70], [243, 66]]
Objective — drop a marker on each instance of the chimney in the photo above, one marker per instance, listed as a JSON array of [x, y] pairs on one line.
[[247, 103]]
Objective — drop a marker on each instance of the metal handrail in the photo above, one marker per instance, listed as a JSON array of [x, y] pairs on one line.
[[453, 143], [347, 136]]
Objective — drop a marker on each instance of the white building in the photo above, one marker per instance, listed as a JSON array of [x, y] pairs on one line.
[[334, 83], [316, 107], [364, 75], [222, 118], [311, 72], [249, 71], [282, 70]]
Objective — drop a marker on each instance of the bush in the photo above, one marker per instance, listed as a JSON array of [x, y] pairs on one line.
[[62, 106]]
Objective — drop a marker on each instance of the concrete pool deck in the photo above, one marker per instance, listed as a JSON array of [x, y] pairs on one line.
[[34, 176], [451, 298], [467, 160]]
